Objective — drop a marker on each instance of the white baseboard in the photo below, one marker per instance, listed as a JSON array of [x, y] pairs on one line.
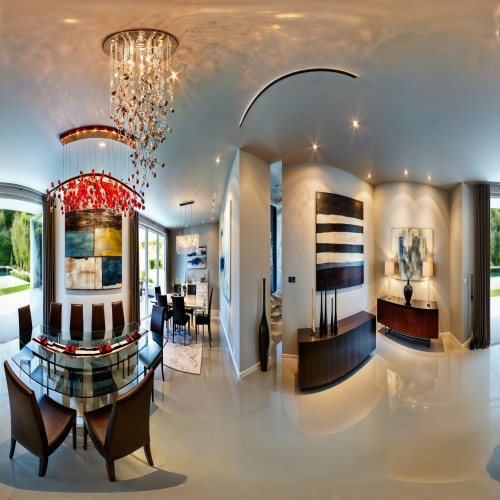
[[235, 365], [457, 342], [248, 371]]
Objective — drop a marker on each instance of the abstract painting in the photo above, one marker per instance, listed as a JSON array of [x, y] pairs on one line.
[[339, 242], [197, 259], [411, 246], [225, 251], [93, 250]]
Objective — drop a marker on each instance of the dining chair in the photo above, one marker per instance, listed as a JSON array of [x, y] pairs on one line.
[[117, 314], [98, 318], [55, 315], [180, 317], [157, 291], [40, 426], [205, 319], [119, 429], [191, 289], [25, 328], [141, 289], [76, 322], [152, 356], [162, 301]]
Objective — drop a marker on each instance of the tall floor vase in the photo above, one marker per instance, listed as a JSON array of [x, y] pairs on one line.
[[263, 332]]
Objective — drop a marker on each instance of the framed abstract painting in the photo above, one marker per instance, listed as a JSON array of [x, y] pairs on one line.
[[411, 246]]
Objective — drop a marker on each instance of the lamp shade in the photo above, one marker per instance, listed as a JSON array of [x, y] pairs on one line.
[[427, 268], [389, 268]]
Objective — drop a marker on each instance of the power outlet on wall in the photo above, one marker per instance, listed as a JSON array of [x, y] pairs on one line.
[[291, 279]]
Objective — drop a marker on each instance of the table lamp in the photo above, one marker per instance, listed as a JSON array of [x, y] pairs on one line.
[[389, 271], [428, 270]]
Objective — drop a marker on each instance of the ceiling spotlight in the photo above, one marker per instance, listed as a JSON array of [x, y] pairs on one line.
[[174, 75], [369, 176], [315, 146], [217, 160], [406, 172], [428, 177], [355, 123]]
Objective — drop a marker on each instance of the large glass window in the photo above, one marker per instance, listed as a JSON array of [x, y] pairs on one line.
[[152, 269], [495, 269]]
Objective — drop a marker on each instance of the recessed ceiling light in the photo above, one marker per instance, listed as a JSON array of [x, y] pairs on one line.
[[174, 75], [102, 144], [315, 146], [369, 176], [70, 20], [428, 177], [406, 172], [217, 160], [355, 123]]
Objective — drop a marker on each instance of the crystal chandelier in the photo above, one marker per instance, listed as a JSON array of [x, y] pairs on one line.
[[88, 153], [141, 94], [186, 243]]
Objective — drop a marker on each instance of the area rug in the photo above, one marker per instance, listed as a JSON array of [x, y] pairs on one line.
[[183, 358]]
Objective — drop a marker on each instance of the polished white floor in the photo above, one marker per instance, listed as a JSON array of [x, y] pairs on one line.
[[407, 425]]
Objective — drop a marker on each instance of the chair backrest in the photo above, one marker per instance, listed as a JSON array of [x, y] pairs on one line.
[[55, 315], [141, 287], [117, 314], [157, 291], [191, 289], [157, 320], [26, 420], [76, 318], [179, 310], [98, 319], [128, 426], [210, 303], [25, 325]]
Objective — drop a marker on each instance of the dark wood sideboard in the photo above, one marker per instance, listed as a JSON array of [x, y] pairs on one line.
[[415, 320], [324, 360]]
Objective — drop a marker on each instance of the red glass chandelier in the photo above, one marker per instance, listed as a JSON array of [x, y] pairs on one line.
[[90, 186]]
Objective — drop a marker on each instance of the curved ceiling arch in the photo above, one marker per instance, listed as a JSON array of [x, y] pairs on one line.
[[289, 75]]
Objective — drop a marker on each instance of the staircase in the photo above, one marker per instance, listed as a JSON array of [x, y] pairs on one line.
[[276, 316]]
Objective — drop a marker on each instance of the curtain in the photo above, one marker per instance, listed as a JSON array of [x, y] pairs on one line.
[[133, 251], [48, 264], [481, 335]]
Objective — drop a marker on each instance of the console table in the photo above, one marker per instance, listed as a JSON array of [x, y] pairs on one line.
[[326, 359], [415, 320]]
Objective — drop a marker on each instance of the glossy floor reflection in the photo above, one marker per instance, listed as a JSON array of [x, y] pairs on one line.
[[408, 424]]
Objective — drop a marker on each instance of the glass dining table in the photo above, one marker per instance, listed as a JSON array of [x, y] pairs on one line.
[[85, 364]]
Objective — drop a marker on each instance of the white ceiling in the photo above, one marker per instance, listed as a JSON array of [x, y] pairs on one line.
[[427, 96]]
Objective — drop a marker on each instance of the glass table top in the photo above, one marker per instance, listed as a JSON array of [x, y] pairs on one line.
[[85, 364]]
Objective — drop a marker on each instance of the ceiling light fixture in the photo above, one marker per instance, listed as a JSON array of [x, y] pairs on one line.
[[406, 172], [85, 164], [186, 243], [217, 160], [315, 146], [355, 123], [141, 95]]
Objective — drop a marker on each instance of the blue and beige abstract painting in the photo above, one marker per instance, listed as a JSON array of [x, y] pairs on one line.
[[197, 259], [411, 246], [225, 251], [339, 242], [93, 250]]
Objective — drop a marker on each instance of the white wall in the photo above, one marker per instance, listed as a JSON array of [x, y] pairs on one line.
[[300, 184], [209, 237], [89, 297], [405, 204], [229, 309]]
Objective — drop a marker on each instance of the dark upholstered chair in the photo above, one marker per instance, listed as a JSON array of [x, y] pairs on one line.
[[180, 317], [167, 312], [204, 319], [40, 426], [25, 327], [76, 321], [55, 315], [123, 427], [191, 289], [157, 291], [98, 318], [117, 314]]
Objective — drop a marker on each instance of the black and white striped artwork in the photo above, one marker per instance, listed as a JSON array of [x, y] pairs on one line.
[[339, 241]]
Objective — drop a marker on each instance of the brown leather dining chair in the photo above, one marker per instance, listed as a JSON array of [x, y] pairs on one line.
[[55, 315], [40, 426], [76, 322], [117, 314], [98, 318], [119, 429], [25, 328]]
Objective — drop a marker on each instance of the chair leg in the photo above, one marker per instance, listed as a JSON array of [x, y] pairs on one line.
[[110, 468], [209, 334], [149, 457], [74, 434], [162, 373], [85, 434], [12, 447], [44, 461]]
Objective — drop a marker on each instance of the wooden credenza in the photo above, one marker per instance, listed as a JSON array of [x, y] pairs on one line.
[[324, 360], [415, 320]]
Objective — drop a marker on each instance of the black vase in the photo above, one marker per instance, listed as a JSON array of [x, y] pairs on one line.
[[408, 291], [263, 332], [322, 319]]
